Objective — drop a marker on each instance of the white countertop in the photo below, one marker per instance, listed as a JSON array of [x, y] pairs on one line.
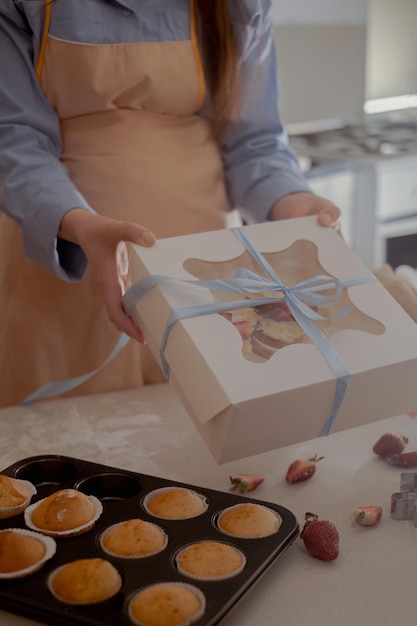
[[148, 431]]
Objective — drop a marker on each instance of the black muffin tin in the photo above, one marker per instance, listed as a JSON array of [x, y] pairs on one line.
[[121, 493]]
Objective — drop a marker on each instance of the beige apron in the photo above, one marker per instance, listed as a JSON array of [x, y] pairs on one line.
[[136, 149]]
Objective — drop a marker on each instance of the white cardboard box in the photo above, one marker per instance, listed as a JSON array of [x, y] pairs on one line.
[[243, 407]]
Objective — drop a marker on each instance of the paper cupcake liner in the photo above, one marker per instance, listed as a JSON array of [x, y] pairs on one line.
[[66, 601], [243, 536], [219, 577], [98, 510], [50, 549], [132, 556], [189, 620], [12, 511], [147, 499]]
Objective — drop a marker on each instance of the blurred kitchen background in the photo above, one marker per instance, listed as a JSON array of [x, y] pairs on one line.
[[348, 77]]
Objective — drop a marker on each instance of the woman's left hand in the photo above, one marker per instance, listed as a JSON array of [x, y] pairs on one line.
[[302, 204]]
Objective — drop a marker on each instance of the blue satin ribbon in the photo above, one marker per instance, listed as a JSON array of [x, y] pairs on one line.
[[298, 298], [61, 386]]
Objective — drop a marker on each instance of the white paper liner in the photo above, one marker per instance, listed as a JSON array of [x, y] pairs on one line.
[[50, 549], [133, 556], [189, 620], [240, 536], [153, 493], [98, 510], [12, 511], [225, 576], [66, 601]]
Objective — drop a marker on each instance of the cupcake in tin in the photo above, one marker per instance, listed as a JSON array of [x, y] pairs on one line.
[[15, 495], [23, 552], [210, 560], [133, 538], [64, 513], [175, 503], [249, 521], [85, 581], [167, 604]]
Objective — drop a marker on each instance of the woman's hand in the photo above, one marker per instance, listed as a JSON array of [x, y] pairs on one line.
[[302, 204], [101, 239]]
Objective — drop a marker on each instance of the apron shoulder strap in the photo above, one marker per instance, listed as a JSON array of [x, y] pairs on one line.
[[46, 23]]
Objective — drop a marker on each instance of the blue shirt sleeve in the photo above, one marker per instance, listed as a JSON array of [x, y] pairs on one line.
[[260, 168], [35, 189]]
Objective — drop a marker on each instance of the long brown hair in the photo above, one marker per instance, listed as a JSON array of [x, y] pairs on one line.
[[219, 47]]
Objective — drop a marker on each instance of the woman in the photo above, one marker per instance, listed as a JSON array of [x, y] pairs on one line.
[[124, 120]]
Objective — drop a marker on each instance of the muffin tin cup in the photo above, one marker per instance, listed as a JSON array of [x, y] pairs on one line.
[[50, 549], [123, 495]]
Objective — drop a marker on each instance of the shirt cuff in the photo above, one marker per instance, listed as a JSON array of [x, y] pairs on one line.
[[40, 236], [263, 196]]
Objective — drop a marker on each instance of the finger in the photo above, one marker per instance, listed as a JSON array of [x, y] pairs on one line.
[[135, 234], [328, 216], [114, 306]]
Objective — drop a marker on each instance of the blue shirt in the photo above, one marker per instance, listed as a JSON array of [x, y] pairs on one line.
[[35, 188]]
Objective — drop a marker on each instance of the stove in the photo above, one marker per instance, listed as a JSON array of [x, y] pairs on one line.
[[374, 136], [382, 152]]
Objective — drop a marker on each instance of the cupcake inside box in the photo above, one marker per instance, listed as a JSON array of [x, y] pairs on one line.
[[156, 537]]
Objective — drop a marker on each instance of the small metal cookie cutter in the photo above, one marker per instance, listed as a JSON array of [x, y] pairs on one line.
[[404, 502]]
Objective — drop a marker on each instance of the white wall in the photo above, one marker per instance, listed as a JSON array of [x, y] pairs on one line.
[[392, 48], [321, 51], [320, 11]]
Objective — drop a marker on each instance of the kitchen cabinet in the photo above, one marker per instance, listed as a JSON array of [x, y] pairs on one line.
[[385, 226]]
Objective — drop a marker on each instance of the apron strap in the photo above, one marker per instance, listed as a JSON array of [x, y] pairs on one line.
[[46, 24], [197, 55]]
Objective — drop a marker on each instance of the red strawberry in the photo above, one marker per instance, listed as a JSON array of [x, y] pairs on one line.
[[246, 482], [320, 537], [302, 469], [367, 515], [404, 459], [390, 443]]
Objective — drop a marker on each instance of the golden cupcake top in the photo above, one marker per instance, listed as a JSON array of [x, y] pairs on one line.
[[134, 538], [210, 560], [23, 552], [175, 503], [249, 520], [63, 511], [85, 581], [15, 495], [167, 604]]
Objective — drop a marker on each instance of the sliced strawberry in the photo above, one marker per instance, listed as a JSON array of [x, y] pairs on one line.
[[320, 538], [302, 469], [246, 482], [367, 515], [403, 459], [390, 443]]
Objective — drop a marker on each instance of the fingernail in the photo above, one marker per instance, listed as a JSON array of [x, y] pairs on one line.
[[326, 219], [147, 238]]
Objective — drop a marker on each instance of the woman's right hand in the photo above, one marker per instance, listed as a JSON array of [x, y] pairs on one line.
[[101, 239]]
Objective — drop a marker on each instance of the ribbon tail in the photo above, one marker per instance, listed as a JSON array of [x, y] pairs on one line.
[[341, 387], [61, 386]]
